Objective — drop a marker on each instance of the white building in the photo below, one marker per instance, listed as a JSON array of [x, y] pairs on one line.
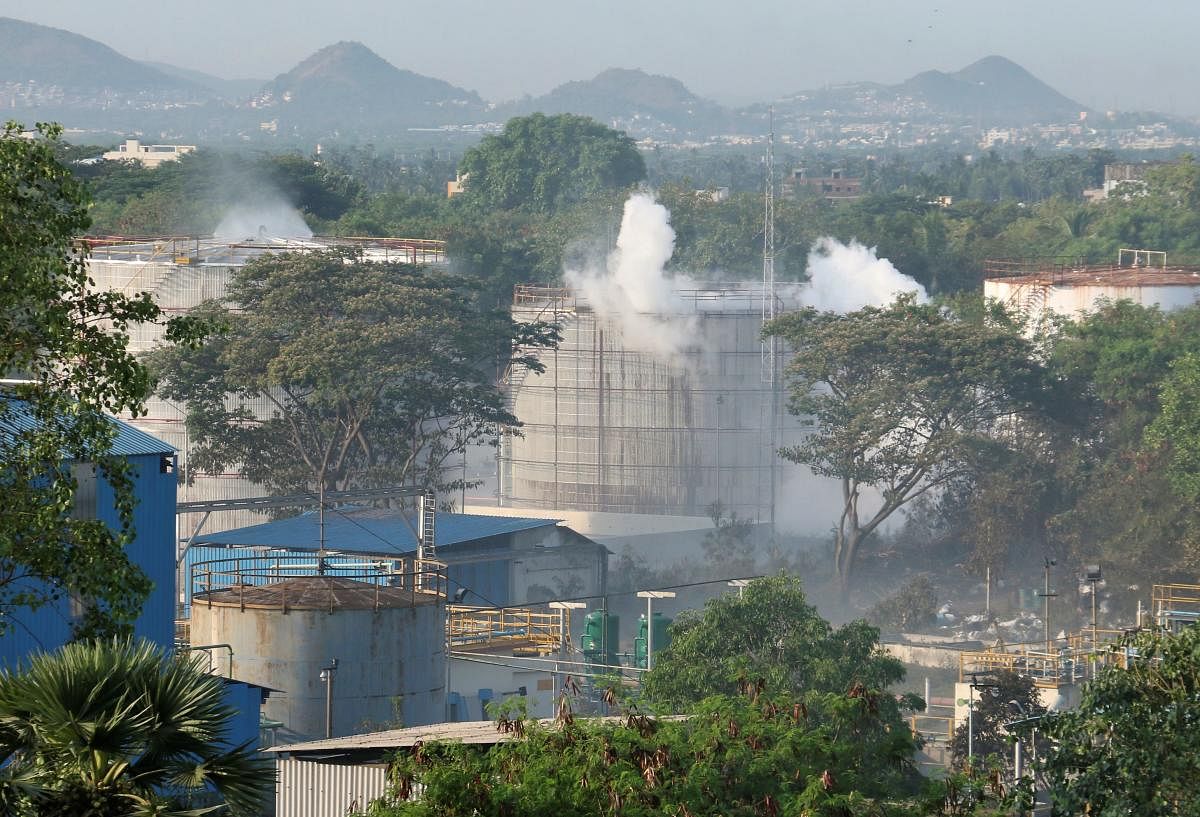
[[131, 150]]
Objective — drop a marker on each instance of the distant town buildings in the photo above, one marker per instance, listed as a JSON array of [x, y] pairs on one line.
[[837, 186], [147, 155]]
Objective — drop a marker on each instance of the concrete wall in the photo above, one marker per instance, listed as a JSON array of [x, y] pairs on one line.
[[386, 657], [469, 674]]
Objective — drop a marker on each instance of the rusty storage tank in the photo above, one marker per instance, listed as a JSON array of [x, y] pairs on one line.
[[286, 618]]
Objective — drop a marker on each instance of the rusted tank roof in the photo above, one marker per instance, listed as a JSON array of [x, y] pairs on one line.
[[316, 593]]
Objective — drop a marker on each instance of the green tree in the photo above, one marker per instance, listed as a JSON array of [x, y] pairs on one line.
[[115, 729], [903, 400], [66, 344], [994, 710], [1131, 747], [822, 754], [544, 162], [769, 631], [373, 373], [1178, 426]]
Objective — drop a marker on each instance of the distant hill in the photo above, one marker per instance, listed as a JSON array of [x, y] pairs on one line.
[[994, 88], [229, 89], [77, 65], [348, 86], [627, 98]]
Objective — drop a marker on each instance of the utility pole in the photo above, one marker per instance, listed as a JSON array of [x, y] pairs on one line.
[[327, 674], [770, 346], [1047, 595]]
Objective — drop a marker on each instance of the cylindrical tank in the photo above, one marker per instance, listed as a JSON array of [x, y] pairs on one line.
[[661, 640], [611, 428], [601, 634], [389, 643], [1069, 290]]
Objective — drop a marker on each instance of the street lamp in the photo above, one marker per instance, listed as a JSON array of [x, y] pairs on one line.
[[740, 584], [327, 674], [1047, 595], [1093, 576], [650, 596], [974, 685]]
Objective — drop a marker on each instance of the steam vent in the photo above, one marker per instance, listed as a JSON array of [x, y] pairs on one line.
[[616, 429], [284, 623]]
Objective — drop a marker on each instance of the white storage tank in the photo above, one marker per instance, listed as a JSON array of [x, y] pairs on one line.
[[607, 428]]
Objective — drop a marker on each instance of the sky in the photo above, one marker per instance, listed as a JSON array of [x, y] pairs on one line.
[[1107, 54]]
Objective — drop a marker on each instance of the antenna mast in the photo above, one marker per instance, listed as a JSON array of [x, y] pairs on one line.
[[768, 284], [770, 345]]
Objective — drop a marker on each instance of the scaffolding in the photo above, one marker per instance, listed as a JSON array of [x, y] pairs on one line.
[[517, 629], [616, 429]]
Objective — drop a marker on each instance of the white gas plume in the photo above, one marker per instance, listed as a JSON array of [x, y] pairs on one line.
[[846, 277], [262, 220], [632, 288]]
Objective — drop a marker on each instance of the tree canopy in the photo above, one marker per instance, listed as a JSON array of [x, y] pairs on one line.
[[544, 163], [66, 346], [113, 728], [1131, 747], [828, 754], [339, 372], [902, 400], [769, 631]]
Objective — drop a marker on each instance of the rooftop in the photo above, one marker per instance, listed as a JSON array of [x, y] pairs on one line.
[[189, 251], [317, 593], [369, 531], [16, 419]]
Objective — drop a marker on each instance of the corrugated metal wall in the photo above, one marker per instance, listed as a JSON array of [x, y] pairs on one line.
[[312, 789], [153, 550]]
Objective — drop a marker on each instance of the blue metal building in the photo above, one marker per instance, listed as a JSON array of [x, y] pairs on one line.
[[495, 560], [154, 486], [152, 549]]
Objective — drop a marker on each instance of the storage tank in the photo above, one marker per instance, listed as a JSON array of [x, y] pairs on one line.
[[284, 625], [601, 638], [609, 428], [1067, 289], [662, 638]]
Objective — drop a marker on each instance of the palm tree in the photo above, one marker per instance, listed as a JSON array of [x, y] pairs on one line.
[[101, 729]]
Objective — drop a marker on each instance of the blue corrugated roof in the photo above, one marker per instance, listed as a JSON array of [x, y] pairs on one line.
[[369, 531], [15, 419]]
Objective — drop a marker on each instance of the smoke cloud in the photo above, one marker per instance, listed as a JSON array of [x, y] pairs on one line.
[[847, 277], [263, 219], [631, 287]]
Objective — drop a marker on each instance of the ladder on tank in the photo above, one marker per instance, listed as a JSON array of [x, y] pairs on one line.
[[426, 521]]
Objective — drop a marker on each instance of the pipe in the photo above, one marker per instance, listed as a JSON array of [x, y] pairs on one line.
[[209, 647]]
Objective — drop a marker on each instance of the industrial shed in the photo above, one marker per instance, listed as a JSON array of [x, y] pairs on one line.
[[496, 561], [152, 549]]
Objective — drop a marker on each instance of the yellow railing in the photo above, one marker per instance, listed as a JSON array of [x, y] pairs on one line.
[[476, 628], [1081, 655], [1175, 603], [933, 727]]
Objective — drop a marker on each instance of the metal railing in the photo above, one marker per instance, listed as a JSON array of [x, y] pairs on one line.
[[418, 577], [1078, 659], [1175, 605], [473, 628]]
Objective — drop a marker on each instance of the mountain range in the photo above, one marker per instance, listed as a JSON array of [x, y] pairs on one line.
[[346, 88]]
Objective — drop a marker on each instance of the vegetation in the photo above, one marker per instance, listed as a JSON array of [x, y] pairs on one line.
[[544, 163], [412, 381], [1131, 746], [769, 631], [910, 609], [750, 753], [903, 401], [116, 729], [67, 346]]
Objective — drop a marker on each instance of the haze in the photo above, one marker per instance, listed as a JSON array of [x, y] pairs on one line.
[[1105, 54]]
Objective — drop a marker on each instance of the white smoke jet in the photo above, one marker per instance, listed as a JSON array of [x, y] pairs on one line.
[[632, 289], [847, 277], [262, 219]]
